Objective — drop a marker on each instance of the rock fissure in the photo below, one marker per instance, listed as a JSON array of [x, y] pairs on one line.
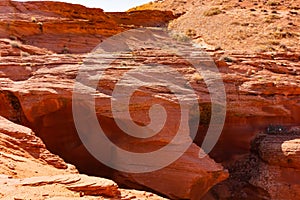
[[44, 44]]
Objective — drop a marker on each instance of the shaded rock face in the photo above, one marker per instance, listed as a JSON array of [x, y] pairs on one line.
[[278, 170], [270, 110], [20, 143], [256, 99], [271, 171], [255, 82], [46, 104], [40, 94], [262, 89], [29, 171]]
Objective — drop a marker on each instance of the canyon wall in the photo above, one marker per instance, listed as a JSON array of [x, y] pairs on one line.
[[38, 72], [42, 50]]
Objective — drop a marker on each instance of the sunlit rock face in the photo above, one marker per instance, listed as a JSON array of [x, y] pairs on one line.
[[46, 49], [41, 53]]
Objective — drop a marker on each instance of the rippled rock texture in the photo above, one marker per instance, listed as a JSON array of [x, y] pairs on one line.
[[42, 51]]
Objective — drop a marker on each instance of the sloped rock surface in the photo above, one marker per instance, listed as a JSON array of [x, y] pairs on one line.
[[71, 186], [29, 171], [20, 144], [278, 169], [69, 28], [271, 171], [259, 26], [262, 86], [51, 116], [74, 182]]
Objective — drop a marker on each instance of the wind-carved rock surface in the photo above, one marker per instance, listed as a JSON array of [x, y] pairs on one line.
[[262, 88], [278, 169], [29, 171], [20, 144], [69, 28], [45, 102], [40, 94], [255, 46], [271, 171]]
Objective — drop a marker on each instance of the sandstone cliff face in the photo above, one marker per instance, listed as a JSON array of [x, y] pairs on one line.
[[69, 28], [262, 88], [44, 102], [29, 171], [270, 171], [278, 169], [39, 95], [255, 45], [20, 147]]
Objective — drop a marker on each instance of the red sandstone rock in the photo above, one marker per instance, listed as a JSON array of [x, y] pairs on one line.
[[271, 171], [51, 116], [147, 18], [69, 28], [280, 150], [76, 182], [53, 109], [278, 168], [236, 26], [73, 186], [262, 87], [28, 170], [23, 139], [262, 84]]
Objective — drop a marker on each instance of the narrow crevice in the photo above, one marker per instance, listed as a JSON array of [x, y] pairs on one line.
[[14, 107]]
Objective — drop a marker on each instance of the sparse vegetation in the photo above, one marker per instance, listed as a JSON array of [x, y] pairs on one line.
[[14, 44], [33, 19], [234, 25], [40, 24], [228, 59], [282, 34], [24, 54], [212, 11], [271, 18], [181, 37], [260, 78], [197, 77], [65, 50], [191, 33], [273, 3]]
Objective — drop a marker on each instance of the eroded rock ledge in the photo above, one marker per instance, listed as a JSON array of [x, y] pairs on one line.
[[262, 89], [69, 28], [40, 94], [271, 171], [43, 101], [29, 171]]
